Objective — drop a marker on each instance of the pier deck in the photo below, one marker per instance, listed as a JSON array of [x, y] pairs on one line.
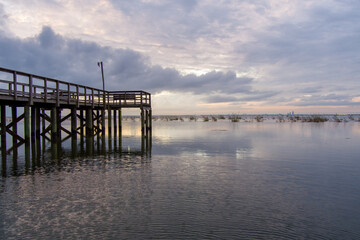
[[28, 89], [42, 100]]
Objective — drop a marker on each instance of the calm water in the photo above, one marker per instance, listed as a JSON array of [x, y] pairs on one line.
[[202, 180]]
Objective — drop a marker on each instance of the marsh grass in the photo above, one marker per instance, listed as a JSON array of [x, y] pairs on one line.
[[259, 118], [281, 119], [315, 119], [256, 118], [205, 118], [336, 119], [234, 118], [193, 118]]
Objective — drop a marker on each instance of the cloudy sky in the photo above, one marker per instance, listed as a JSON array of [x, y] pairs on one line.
[[195, 56]]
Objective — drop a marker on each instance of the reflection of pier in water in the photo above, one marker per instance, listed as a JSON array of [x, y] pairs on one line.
[[42, 101], [47, 153]]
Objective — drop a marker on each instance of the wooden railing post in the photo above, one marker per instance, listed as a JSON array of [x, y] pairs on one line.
[[57, 94], [68, 86], [108, 98], [45, 89], [77, 96], [30, 90], [141, 99], [99, 97], [15, 86], [85, 95], [92, 95]]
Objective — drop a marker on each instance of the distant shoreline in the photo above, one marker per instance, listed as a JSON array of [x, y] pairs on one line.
[[261, 117], [249, 118]]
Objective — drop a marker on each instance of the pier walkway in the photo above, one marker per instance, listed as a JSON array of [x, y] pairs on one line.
[[43, 99]]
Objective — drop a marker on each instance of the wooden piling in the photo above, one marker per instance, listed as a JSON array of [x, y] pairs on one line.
[[33, 122], [150, 111], [14, 127], [3, 140], [109, 122], [27, 124], [58, 123], [115, 123], [73, 123], [53, 124], [98, 131], [27, 136], [142, 121], [89, 123], [81, 125], [43, 122], [37, 124], [120, 122], [3, 130]]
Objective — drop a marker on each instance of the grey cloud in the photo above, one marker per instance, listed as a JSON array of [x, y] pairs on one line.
[[73, 60], [48, 39], [258, 96], [3, 19], [325, 103], [179, 22], [326, 100], [3, 15], [220, 99], [323, 48], [249, 97], [307, 90]]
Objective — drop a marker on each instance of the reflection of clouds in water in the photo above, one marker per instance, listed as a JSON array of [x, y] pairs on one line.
[[355, 129], [198, 154], [243, 153], [246, 141]]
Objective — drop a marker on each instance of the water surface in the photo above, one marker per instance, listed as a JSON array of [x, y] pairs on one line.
[[201, 180]]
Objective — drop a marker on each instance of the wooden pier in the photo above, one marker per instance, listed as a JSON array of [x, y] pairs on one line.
[[43, 102]]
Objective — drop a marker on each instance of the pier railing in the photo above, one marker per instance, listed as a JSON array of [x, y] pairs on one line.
[[29, 88]]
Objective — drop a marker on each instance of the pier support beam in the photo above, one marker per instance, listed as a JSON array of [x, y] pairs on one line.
[[115, 123], [73, 123], [14, 127], [58, 123], [142, 120], [27, 124], [120, 122], [150, 119], [27, 136], [81, 127], [3, 130], [33, 123], [103, 147], [98, 128], [89, 123], [3, 139], [54, 123], [37, 124], [73, 132], [43, 121], [109, 122], [103, 122]]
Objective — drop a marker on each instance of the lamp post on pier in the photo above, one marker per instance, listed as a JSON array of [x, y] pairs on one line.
[[100, 64]]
